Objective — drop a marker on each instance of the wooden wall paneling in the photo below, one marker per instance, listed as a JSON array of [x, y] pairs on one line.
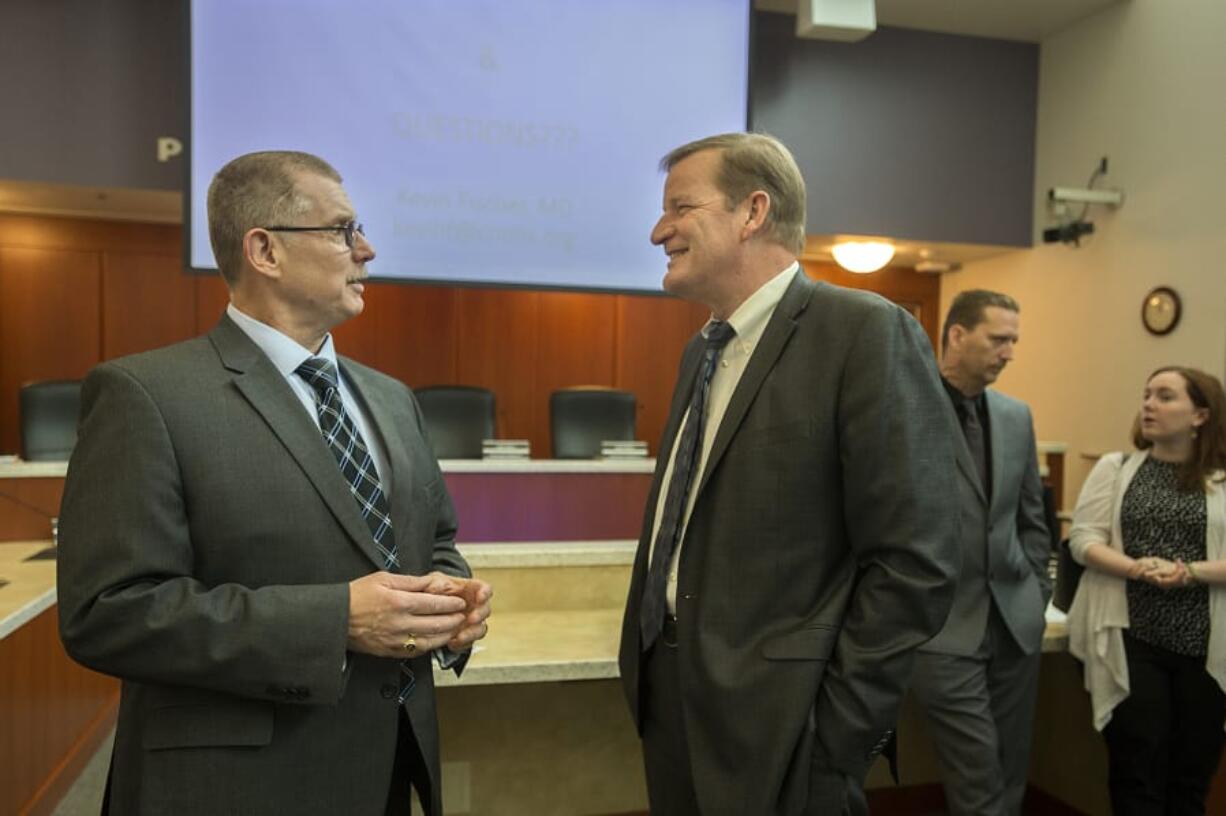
[[575, 346], [53, 715], [26, 508], [651, 334], [405, 331], [88, 235], [49, 326], [147, 302], [915, 291], [497, 341], [212, 296]]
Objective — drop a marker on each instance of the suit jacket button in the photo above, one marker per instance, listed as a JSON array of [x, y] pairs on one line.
[[388, 690]]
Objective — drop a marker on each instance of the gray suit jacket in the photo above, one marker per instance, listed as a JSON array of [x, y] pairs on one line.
[[821, 551], [1005, 541], [206, 540]]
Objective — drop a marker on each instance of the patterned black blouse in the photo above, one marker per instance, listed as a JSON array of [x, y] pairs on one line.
[[1157, 519]]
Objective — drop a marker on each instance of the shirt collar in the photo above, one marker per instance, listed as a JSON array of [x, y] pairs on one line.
[[285, 353], [750, 318], [959, 399]]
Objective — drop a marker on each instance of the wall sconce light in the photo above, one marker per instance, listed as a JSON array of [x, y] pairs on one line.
[[862, 256]]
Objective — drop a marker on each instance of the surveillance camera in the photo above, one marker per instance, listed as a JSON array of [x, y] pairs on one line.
[[1112, 198], [1070, 233]]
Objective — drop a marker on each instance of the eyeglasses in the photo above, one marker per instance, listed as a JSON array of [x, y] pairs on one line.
[[348, 230]]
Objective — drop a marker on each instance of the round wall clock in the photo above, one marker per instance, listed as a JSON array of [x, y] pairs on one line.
[[1160, 310]]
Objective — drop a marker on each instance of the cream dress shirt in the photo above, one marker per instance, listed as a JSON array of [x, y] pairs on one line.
[[749, 321]]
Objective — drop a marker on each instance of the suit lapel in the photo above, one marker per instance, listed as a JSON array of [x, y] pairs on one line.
[[272, 398], [774, 339], [400, 472]]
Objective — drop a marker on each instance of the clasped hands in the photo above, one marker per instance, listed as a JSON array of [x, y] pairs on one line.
[[388, 611], [1161, 573]]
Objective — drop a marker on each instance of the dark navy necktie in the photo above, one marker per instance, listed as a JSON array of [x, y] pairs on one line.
[[689, 447], [352, 454]]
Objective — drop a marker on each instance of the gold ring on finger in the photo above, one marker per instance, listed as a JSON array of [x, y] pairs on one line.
[[410, 644]]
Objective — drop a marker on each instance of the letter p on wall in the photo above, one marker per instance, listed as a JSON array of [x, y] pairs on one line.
[[168, 148]]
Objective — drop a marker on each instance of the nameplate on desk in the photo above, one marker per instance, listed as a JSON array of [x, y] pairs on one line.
[[505, 449], [623, 449]]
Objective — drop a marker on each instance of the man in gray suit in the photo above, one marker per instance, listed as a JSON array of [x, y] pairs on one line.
[[799, 542], [260, 548], [978, 678]]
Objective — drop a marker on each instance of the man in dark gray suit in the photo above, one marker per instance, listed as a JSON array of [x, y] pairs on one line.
[[799, 541], [978, 678], [262, 549]]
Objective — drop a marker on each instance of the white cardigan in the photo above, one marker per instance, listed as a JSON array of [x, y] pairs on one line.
[[1100, 608]]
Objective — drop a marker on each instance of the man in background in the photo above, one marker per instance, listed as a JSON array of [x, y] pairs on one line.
[[978, 678], [256, 539], [799, 541]]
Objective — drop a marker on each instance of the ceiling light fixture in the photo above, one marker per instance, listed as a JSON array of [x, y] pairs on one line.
[[862, 256]]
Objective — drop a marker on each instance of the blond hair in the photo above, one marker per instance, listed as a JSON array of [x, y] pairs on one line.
[[752, 162]]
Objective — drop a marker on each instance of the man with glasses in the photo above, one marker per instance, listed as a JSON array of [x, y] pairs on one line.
[[256, 539]]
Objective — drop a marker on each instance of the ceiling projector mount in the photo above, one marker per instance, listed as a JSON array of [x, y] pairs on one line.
[[1073, 228]]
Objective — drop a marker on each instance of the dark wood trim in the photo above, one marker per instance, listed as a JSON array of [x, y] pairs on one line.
[[906, 800], [65, 774], [53, 715], [1042, 803], [929, 800]]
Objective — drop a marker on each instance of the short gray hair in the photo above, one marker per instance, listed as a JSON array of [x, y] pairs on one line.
[[257, 190]]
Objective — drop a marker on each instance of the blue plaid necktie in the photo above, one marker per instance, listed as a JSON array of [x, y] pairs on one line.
[[351, 454], [689, 446]]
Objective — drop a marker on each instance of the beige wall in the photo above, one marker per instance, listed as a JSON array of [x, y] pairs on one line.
[[1143, 83]]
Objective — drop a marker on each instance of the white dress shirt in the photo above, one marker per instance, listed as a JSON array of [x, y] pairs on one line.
[[286, 355], [749, 321]]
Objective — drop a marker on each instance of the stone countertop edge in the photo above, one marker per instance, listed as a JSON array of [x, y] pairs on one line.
[[500, 555], [26, 613]]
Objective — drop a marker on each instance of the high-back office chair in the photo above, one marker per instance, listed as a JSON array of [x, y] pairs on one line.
[[49, 412], [581, 418], [457, 418]]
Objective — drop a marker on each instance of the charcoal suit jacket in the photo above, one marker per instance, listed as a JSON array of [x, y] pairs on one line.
[[207, 537], [820, 553]]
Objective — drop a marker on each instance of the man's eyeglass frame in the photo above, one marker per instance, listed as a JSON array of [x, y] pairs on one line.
[[348, 230]]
